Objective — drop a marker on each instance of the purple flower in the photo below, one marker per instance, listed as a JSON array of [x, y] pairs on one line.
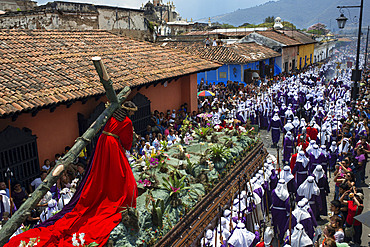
[[140, 181], [174, 189], [147, 183]]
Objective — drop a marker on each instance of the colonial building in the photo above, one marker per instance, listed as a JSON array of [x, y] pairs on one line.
[[305, 55], [50, 92], [324, 48], [239, 60], [286, 46], [17, 5], [76, 16]]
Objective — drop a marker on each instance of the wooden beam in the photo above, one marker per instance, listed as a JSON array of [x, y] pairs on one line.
[[63, 163]]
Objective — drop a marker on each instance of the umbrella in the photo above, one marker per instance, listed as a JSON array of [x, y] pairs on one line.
[[364, 218], [205, 93]]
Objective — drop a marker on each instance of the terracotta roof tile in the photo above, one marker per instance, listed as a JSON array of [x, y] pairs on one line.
[[279, 37], [44, 67], [299, 36], [237, 53]]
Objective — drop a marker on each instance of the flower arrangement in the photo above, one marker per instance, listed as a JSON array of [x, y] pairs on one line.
[[80, 241], [174, 186], [203, 132], [219, 152], [32, 242]]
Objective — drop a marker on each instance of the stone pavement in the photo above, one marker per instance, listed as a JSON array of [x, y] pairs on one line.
[[266, 138]]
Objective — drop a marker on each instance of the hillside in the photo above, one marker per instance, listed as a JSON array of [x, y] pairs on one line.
[[302, 13]]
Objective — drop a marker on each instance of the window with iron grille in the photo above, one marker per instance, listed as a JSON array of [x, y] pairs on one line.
[[141, 118], [18, 152]]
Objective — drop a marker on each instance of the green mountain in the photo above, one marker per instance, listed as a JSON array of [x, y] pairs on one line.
[[303, 13]]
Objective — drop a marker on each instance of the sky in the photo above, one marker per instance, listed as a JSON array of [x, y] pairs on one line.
[[195, 9]]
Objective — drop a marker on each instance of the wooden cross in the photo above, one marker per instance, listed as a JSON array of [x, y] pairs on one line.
[[81, 142]]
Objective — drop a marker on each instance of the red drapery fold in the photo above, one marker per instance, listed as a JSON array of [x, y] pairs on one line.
[[110, 187]]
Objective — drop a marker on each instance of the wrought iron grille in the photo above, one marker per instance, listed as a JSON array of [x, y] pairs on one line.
[[18, 152]]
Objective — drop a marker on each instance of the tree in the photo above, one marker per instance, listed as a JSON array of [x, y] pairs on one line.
[[318, 28], [270, 19], [245, 24], [225, 26], [289, 25]]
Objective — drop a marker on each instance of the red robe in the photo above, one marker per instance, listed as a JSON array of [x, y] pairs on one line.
[[312, 133], [292, 161], [304, 145], [110, 187], [299, 139]]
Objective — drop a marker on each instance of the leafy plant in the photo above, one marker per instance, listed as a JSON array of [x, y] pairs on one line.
[[158, 210], [219, 152], [130, 218], [164, 145], [148, 180], [190, 167], [204, 157], [175, 187], [174, 172], [203, 132], [214, 138]]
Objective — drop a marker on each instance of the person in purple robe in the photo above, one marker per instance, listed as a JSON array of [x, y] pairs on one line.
[[289, 179], [280, 207], [332, 155], [299, 237], [325, 159], [301, 216], [316, 158], [241, 237], [288, 146], [309, 189], [296, 124], [289, 113], [300, 169], [295, 102], [275, 126], [322, 183], [319, 116], [241, 114], [273, 179], [301, 98], [309, 210], [282, 112], [322, 137], [253, 117]]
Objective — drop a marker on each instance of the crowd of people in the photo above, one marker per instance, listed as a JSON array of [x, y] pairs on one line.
[[325, 140]]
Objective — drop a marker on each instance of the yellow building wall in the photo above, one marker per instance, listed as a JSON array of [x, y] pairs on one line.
[[305, 56]]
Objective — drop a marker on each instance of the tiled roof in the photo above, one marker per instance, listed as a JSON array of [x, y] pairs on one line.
[[238, 53], [214, 32], [300, 37], [279, 37], [42, 68], [199, 33], [236, 34]]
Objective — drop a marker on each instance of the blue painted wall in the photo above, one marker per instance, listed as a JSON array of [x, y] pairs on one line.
[[235, 72]]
